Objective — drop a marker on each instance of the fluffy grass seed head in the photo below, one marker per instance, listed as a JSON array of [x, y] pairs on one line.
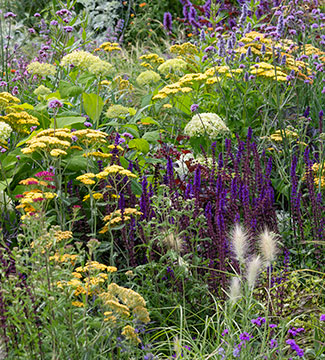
[[234, 290], [209, 124], [267, 242], [239, 240], [253, 269]]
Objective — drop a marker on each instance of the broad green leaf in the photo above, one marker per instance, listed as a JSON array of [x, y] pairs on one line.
[[151, 136], [68, 90], [149, 120], [68, 120], [76, 163], [5, 183], [139, 144], [93, 105]]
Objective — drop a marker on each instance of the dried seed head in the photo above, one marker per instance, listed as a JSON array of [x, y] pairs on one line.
[[174, 242]]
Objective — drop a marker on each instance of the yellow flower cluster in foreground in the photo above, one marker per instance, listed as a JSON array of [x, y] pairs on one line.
[[116, 218], [20, 121], [7, 100], [112, 170], [58, 142]]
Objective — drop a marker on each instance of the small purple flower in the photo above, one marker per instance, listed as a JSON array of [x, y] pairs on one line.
[[15, 90], [245, 336], [225, 332], [9, 15], [32, 128], [74, 138], [128, 135], [3, 84], [2, 150], [273, 344], [194, 107], [236, 352], [88, 124], [54, 104], [54, 23], [322, 317], [256, 322], [37, 15], [68, 29], [292, 32], [31, 31], [314, 26], [18, 157], [272, 326]]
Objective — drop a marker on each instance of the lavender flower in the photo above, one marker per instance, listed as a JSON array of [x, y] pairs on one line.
[[54, 104], [168, 22], [194, 107], [68, 29]]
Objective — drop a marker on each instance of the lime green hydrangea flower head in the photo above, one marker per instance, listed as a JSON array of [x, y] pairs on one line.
[[148, 77], [41, 69], [116, 111], [5, 131], [172, 65], [42, 91], [209, 124]]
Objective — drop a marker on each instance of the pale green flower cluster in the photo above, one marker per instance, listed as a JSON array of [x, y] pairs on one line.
[[5, 130], [148, 77], [42, 91], [115, 111], [209, 124], [172, 65], [41, 69], [86, 61]]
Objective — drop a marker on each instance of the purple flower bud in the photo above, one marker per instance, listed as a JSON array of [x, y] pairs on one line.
[[54, 104], [54, 23], [37, 15], [194, 107]]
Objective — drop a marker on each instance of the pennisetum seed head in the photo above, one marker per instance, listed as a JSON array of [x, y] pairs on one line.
[[239, 243], [253, 269], [268, 246]]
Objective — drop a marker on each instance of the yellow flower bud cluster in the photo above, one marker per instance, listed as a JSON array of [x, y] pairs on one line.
[[151, 59], [41, 69], [122, 84], [116, 217], [7, 100], [109, 47], [184, 49], [20, 121], [122, 302], [58, 258], [63, 235]]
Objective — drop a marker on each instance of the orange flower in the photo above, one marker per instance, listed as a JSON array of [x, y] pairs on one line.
[[132, 15], [142, 4], [12, 71], [190, 35]]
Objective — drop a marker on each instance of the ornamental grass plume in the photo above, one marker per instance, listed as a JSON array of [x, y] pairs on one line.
[[235, 290], [253, 269], [239, 243], [267, 243]]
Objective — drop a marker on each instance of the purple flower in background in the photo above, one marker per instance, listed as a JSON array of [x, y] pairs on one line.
[[273, 344], [88, 124], [280, 25], [225, 332], [168, 22], [31, 31], [245, 336], [37, 15], [9, 15], [322, 317], [295, 347], [272, 326], [68, 29], [53, 23], [128, 135], [3, 84], [194, 107]]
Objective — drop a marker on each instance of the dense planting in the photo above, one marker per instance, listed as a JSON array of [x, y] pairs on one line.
[[162, 178]]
